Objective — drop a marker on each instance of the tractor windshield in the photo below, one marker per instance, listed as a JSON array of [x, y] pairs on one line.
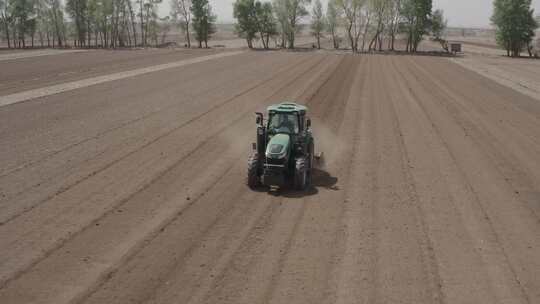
[[283, 123]]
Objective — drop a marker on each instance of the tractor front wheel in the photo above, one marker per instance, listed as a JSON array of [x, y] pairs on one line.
[[253, 179], [301, 174]]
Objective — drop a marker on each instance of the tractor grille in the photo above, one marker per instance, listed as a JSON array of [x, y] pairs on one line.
[[273, 161]]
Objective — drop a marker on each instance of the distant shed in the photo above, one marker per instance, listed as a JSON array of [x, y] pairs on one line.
[[455, 47]]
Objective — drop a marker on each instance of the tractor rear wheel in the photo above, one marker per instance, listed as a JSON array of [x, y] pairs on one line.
[[253, 179], [301, 173]]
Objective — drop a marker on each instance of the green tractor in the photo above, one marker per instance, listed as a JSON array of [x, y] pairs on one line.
[[284, 151]]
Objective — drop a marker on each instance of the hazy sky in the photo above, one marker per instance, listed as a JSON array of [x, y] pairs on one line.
[[469, 13]]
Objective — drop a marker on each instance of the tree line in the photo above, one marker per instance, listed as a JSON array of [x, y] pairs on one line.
[[366, 24], [369, 25], [101, 23]]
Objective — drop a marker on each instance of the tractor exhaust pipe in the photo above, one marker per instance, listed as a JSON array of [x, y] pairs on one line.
[[319, 160]]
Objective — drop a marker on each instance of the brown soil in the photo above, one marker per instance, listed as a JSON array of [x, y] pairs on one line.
[[134, 191]]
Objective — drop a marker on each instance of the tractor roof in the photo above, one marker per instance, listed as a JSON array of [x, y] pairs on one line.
[[288, 107]]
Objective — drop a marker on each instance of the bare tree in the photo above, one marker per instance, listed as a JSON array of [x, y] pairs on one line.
[[395, 17], [181, 13], [332, 22], [352, 10], [280, 10], [317, 22], [379, 11]]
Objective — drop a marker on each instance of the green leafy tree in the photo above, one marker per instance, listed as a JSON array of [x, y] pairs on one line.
[[246, 13], [515, 25], [55, 18], [438, 27], [6, 20], [203, 21], [416, 15], [22, 11], [289, 13], [267, 23], [318, 22], [78, 11]]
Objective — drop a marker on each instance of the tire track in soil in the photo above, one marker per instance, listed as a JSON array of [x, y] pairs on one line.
[[353, 276], [428, 258], [386, 252]]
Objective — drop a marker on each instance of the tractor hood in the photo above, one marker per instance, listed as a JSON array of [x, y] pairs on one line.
[[278, 146]]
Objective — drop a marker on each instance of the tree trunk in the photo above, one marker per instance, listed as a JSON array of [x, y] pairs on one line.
[[88, 32], [262, 40], [58, 34], [188, 37], [132, 20], [6, 28], [334, 40], [291, 40], [142, 23], [351, 38]]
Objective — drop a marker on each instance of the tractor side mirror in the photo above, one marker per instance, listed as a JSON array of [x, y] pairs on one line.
[[259, 119], [308, 123]]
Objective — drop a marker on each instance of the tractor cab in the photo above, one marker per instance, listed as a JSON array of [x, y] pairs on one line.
[[279, 122], [288, 118]]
